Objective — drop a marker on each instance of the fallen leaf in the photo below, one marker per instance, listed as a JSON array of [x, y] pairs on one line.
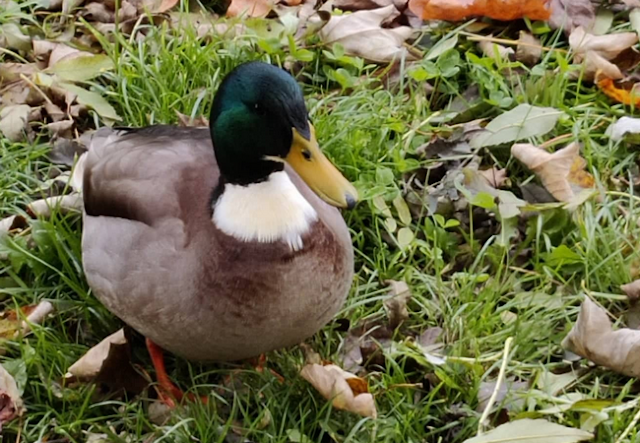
[[495, 177], [10, 223], [558, 170], [93, 100], [11, 405], [494, 50], [249, 8], [10, 72], [592, 337], [597, 51], [627, 128], [529, 50], [623, 93], [523, 121], [396, 306], [63, 203], [187, 121], [81, 68], [12, 37], [632, 316], [345, 390], [60, 129], [531, 431], [361, 35], [507, 394], [569, 14], [14, 323], [98, 12], [457, 10], [14, 120], [632, 290], [37, 315], [108, 362]]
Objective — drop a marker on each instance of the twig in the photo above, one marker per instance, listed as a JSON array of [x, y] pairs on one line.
[[504, 41], [34, 86], [555, 140], [494, 394], [628, 429]]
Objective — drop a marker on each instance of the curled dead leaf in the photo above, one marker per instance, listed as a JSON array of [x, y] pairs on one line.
[[557, 171], [625, 93], [456, 10], [598, 51], [529, 50], [345, 390], [569, 14], [592, 337], [361, 34], [14, 120], [12, 222], [64, 203], [632, 290], [11, 405], [249, 8], [494, 176], [108, 362]]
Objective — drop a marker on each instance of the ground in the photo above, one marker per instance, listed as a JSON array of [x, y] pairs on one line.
[[478, 287]]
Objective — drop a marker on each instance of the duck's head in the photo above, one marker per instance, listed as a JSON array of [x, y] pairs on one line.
[[259, 121]]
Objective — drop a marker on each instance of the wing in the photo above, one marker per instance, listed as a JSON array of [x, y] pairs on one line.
[[149, 174]]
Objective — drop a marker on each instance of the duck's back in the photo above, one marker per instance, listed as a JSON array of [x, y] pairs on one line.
[[154, 257]]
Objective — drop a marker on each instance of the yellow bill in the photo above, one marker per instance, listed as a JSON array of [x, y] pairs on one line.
[[319, 173]]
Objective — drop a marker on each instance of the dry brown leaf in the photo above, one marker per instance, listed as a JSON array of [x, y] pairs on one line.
[[345, 390], [529, 50], [187, 121], [632, 316], [249, 8], [456, 10], [558, 170], [8, 224], [98, 12], [14, 323], [10, 72], [108, 362], [495, 177], [396, 306], [64, 203], [494, 50], [11, 405], [569, 14], [361, 35], [632, 290], [60, 129], [597, 51], [592, 337], [14, 121]]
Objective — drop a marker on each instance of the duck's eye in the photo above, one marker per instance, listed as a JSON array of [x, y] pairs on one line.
[[307, 155], [258, 108]]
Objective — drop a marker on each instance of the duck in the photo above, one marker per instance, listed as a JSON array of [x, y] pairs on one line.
[[223, 243]]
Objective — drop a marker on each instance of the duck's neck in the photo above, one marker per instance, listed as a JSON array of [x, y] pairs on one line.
[[270, 211]]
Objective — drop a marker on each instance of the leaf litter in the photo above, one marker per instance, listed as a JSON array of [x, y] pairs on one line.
[[51, 89]]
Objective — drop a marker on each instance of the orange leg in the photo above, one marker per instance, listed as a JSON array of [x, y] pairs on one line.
[[168, 392]]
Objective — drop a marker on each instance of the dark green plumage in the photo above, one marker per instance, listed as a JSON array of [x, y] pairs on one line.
[[252, 116]]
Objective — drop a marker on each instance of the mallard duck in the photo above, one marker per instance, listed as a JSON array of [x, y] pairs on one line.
[[219, 244]]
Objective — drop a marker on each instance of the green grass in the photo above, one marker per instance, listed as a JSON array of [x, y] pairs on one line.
[[461, 279]]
